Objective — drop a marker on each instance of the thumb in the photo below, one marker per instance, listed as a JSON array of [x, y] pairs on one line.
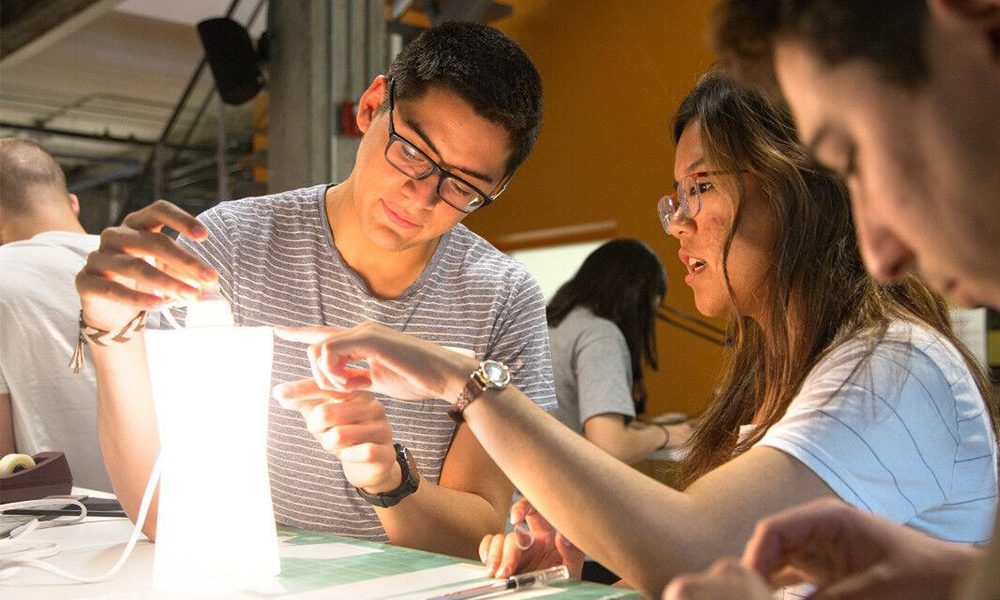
[[571, 556], [536, 522]]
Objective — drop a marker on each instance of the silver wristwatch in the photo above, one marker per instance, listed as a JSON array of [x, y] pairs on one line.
[[491, 375]]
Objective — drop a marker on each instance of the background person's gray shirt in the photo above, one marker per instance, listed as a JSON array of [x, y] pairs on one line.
[[278, 266], [592, 367]]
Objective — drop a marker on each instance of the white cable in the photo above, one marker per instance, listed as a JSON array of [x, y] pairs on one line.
[[34, 524], [11, 559]]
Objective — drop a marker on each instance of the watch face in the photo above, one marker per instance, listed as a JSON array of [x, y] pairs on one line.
[[497, 374]]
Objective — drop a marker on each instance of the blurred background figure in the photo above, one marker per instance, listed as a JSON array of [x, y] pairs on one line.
[[43, 404], [603, 335]]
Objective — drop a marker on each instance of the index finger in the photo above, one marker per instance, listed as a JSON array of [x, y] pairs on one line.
[[307, 335], [162, 214], [519, 509], [511, 556], [304, 393]]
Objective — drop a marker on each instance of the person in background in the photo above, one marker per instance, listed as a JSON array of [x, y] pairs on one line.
[[444, 130], [602, 331], [900, 99], [837, 387], [43, 406]]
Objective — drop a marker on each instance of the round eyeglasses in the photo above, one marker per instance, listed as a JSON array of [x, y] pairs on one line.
[[415, 164], [685, 201]]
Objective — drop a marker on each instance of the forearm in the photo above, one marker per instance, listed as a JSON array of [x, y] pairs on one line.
[[636, 526], [630, 444], [440, 519], [126, 423], [641, 529]]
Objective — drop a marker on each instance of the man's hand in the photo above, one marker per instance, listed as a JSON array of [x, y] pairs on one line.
[[136, 267], [351, 426], [515, 552], [849, 554]]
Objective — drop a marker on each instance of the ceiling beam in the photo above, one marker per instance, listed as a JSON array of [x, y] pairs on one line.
[[40, 23], [106, 138]]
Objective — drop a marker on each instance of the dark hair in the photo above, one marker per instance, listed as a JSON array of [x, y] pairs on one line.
[[483, 67], [890, 35], [818, 292], [619, 282], [27, 168]]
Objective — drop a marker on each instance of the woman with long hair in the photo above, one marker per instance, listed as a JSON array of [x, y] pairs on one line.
[[602, 332], [836, 386]]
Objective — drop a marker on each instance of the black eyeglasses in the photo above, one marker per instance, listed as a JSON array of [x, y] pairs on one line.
[[415, 164]]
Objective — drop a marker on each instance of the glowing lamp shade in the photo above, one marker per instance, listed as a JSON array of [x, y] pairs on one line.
[[215, 523]]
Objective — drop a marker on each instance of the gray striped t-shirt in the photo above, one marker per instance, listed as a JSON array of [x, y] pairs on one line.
[[278, 266]]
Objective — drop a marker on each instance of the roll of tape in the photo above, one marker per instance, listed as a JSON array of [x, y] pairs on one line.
[[12, 463]]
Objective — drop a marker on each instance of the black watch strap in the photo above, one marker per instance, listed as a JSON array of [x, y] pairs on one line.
[[407, 486]]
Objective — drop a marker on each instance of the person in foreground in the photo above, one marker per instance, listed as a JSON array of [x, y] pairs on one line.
[[831, 374], [908, 115], [386, 244]]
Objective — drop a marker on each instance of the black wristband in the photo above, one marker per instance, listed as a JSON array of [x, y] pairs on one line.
[[406, 487]]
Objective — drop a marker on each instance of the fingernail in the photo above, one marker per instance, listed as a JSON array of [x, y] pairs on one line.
[[566, 543]]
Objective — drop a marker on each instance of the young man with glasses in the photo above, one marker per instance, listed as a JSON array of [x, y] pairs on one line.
[[903, 100], [444, 130]]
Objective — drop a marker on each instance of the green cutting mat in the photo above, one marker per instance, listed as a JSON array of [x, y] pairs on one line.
[[305, 574], [300, 574]]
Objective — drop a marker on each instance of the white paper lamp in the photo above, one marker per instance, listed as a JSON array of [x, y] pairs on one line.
[[215, 521]]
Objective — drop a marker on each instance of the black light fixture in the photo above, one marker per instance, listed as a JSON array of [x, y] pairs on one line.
[[231, 56]]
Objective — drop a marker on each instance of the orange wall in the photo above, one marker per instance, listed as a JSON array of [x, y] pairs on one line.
[[613, 73]]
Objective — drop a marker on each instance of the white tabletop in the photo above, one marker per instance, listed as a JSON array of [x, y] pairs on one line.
[[314, 566]]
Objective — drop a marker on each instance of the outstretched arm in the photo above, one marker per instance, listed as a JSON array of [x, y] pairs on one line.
[[641, 529], [628, 443]]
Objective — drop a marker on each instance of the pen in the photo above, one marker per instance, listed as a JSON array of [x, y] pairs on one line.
[[511, 584]]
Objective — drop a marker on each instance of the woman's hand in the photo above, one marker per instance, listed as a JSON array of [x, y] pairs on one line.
[[373, 357], [517, 551]]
